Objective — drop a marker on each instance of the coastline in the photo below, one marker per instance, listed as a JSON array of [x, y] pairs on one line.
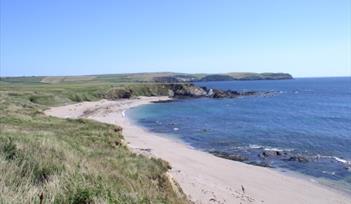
[[203, 177]]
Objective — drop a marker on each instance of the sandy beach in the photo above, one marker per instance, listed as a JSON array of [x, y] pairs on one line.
[[204, 178]]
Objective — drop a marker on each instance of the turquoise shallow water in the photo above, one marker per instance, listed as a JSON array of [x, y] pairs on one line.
[[310, 118]]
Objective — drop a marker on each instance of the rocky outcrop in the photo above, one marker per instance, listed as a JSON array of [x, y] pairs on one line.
[[271, 153], [187, 90], [175, 90], [283, 155], [225, 155], [299, 158], [192, 91]]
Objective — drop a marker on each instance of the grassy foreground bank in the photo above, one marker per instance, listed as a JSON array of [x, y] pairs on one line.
[[73, 161]]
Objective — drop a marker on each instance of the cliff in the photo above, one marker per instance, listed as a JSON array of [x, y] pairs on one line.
[[175, 90]]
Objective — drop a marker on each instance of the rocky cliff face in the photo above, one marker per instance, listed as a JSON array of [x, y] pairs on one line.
[[186, 90], [192, 91], [176, 90]]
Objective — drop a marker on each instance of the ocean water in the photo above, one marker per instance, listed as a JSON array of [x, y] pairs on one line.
[[308, 122]]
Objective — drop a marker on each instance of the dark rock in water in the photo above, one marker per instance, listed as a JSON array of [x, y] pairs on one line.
[[271, 153], [226, 155], [249, 93], [298, 158], [216, 93], [163, 101]]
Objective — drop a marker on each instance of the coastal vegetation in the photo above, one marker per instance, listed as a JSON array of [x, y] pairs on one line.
[[73, 161], [158, 77], [83, 161], [80, 161]]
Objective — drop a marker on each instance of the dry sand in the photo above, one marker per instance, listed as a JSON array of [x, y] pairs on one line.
[[203, 177]]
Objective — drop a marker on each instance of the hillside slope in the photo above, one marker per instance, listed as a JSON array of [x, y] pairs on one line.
[[72, 161], [151, 77]]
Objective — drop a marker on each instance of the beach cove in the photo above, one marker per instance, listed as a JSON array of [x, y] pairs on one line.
[[204, 178]]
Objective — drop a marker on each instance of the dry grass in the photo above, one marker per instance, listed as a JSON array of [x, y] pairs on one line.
[[60, 79]]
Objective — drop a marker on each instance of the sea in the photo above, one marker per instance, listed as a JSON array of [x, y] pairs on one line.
[[305, 127]]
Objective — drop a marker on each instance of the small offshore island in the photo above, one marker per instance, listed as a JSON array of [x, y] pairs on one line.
[[184, 174]]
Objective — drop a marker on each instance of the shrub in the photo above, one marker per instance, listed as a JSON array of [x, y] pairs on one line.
[[82, 196], [9, 149]]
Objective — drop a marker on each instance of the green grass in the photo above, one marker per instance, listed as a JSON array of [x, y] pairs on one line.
[[150, 77], [72, 161]]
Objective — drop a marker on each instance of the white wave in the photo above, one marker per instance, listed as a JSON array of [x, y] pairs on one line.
[[344, 161], [329, 172], [338, 159], [273, 149], [253, 146], [278, 149], [267, 148]]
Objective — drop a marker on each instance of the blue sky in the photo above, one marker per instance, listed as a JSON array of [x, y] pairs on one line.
[[75, 37]]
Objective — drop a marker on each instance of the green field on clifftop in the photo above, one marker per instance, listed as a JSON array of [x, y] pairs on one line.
[[165, 77]]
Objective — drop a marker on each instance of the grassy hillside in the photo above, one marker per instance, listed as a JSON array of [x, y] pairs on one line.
[[151, 77], [72, 161], [79, 161], [259, 76]]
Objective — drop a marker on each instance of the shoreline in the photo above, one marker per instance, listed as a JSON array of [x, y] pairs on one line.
[[203, 177]]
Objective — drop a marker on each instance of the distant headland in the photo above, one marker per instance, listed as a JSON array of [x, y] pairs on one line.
[[158, 77]]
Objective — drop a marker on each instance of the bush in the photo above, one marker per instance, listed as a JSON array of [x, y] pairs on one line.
[[82, 196], [117, 93], [42, 99], [9, 149]]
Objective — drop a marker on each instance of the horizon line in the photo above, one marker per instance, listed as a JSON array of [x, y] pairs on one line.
[[122, 73]]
